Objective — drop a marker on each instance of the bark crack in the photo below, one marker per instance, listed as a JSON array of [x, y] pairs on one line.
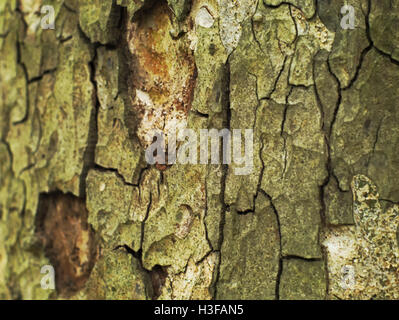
[[225, 167], [90, 152], [280, 263]]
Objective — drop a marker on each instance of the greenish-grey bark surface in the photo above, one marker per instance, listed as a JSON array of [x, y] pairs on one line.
[[77, 104]]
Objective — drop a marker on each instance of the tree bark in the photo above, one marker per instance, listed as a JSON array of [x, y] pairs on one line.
[[316, 218]]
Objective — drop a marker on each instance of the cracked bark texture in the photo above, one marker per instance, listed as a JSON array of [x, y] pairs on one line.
[[76, 108]]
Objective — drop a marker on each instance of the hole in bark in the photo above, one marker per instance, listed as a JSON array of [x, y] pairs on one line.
[[68, 240], [158, 278]]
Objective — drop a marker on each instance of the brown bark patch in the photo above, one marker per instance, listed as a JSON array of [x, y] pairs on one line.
[[62, 227], [158, 278], [163, 72]]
